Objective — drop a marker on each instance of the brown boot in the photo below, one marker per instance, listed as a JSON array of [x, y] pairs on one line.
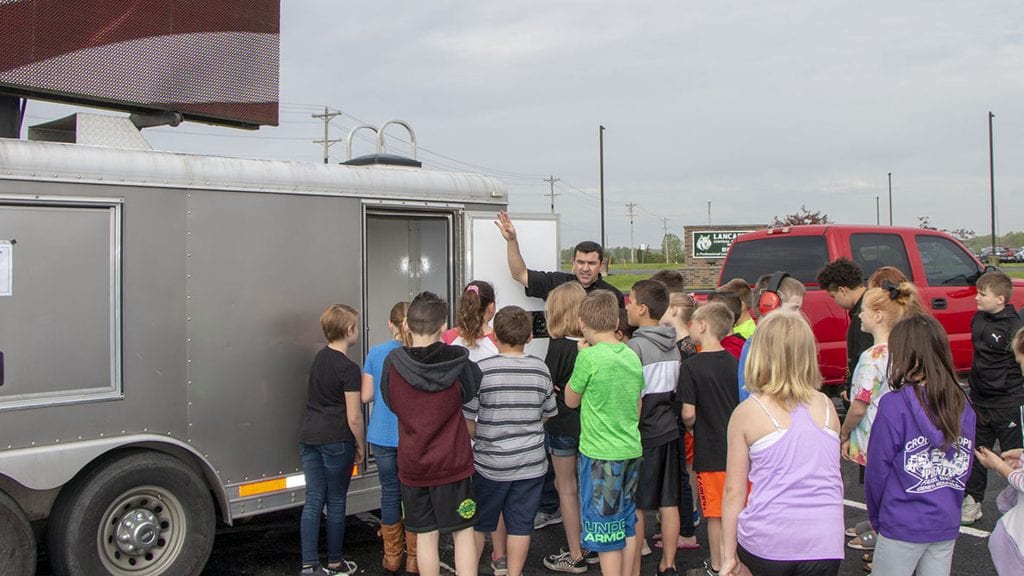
[[410, 556], [394, 545]]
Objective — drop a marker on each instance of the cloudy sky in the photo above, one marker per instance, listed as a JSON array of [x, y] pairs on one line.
[[758, 107]]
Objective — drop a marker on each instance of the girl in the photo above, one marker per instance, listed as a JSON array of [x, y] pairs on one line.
[[783, 443], [1006, 544], [920, 454], [563, 431], [382, 434], [330, 441], [474, 331]]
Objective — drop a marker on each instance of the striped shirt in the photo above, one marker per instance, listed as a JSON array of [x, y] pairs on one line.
[[514, 398]]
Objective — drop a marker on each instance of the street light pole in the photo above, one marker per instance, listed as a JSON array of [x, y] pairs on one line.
[[992, 184], [878, 215], [600, 137], [890, 198]]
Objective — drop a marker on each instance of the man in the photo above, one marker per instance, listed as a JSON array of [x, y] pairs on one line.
[[586, 266], [844, 282]]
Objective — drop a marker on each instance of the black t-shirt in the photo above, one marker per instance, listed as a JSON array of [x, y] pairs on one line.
[[560, 359], [708, 381], [540, 284], [326, 420], [857, 340]]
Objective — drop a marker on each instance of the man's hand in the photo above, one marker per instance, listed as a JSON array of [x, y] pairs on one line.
[[504, 224]]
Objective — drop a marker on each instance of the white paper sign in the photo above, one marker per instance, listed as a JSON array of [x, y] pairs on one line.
[[6, 267]]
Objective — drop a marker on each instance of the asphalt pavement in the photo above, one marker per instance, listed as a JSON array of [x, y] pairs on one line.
[[269, 545]]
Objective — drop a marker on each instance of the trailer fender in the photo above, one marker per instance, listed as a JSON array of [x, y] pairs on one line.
[[50, 467]]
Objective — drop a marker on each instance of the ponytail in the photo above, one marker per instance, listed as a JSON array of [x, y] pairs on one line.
[[397, 319], [473, 304]]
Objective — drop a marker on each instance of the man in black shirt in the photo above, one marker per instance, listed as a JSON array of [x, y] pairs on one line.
[[844, 281], [586, 266]]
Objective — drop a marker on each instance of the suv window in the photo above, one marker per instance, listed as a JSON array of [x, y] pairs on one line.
[[872, 251], [800, 256], [945, 263]]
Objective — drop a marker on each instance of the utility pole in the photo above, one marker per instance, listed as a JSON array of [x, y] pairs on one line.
[[600, 137], [327, 116], [878, 215], [890, 198], [632, 250], [665, 240], [551, 180], [992, 187], [709, 212]]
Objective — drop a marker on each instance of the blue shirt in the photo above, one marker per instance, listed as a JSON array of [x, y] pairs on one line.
[[744, 394], [383, 428]]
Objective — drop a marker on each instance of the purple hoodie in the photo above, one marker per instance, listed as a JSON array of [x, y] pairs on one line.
[[913, 487]]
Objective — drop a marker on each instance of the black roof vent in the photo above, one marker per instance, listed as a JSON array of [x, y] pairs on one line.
[[384, 160]]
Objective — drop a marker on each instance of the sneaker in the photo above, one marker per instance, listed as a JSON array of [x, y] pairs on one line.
[[970, 512], [500, 566], [670, 571], [564, 563], [543, 519], [589, 555], [347, 568]]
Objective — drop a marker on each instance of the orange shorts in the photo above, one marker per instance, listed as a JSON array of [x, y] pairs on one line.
[[710, 486], [688, 443]]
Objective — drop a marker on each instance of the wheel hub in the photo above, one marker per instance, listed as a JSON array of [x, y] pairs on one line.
[[137, 532]]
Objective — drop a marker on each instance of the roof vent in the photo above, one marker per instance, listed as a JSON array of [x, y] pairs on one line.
[[381, 157]]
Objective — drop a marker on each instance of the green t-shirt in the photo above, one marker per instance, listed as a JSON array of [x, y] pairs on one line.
[[610, 378], [746, 329]]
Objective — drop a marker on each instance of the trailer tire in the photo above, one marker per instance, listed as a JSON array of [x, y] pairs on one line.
[[17, 542], [139, 514]]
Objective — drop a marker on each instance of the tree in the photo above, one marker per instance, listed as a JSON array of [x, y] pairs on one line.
[[962, 234], [804, 216], [673, 247]]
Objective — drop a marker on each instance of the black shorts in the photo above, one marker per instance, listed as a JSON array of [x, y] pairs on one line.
[[659, 477], [446, 508], [763, 567]]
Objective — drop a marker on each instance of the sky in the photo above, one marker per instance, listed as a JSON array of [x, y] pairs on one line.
[[759, 108]]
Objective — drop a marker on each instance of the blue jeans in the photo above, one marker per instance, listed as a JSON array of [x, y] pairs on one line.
[[328, 471], [390, 487]]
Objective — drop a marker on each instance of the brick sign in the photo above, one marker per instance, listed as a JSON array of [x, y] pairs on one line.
[[713, 243]]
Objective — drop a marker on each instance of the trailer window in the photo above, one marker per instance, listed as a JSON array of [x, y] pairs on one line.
[[872, 251], [800, 256], [945, 263]]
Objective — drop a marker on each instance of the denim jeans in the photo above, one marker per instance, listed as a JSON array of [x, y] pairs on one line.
[[390, 487], [328, 471]]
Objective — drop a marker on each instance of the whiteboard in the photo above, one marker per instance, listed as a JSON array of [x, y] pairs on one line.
[[487, 258]]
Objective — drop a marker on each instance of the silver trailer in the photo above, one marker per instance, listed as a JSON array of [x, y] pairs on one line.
[[158, 316]]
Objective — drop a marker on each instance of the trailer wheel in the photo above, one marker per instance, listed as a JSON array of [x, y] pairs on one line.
[[17, 542], [140, 514]]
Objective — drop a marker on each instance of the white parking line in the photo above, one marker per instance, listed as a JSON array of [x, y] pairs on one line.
[[963, 529]]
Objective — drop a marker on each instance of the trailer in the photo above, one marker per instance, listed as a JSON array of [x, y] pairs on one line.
[[158, 316]]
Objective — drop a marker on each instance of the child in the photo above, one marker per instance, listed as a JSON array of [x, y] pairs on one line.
[[562, 311], [844, 281], [382, 434], [922, 444], [507, 419], [709, 393], [784, 444], [733, 343], [474, 331], [791, 297], [1006, 544], [624, 331], [606, 384], [330, 441], [425, 385], [745, 325], [997, 386], [659, 429]]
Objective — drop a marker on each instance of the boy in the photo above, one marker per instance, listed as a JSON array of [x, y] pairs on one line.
[[425, 385], [744, 327], [708, 392], [733, 342], [791, 297], [659, 431], [844, 281], [997, 386], [606, 383], [507, 420]]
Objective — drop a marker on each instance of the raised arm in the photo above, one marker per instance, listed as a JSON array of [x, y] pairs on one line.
[[516, 266]]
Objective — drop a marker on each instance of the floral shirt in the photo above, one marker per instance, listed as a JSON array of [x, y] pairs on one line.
[[869, 383]]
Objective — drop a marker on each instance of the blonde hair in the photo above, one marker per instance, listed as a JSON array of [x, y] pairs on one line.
[[718, 317], [783, 360], [893, 302], [563, 310], [397, 319], [599, 311], [338, 321], [685, 304]]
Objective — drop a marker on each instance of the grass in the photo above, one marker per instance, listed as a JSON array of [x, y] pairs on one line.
[[1014, 270], [625, 281]]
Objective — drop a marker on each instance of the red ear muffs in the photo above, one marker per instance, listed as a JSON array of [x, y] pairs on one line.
[[768, 299]]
